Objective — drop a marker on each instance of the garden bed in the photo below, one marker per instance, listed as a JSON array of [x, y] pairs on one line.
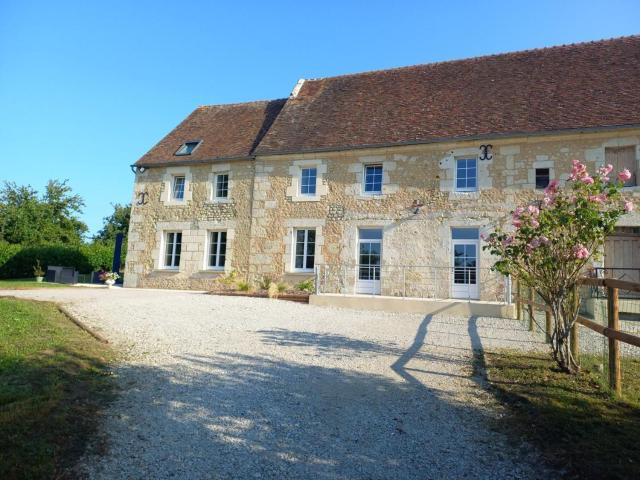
[[291, 297]]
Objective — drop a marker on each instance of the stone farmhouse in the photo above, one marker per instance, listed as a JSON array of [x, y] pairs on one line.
[[380, 183]]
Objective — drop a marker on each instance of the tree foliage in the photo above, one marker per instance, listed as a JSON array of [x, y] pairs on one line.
[[117, 222], [549, 244], [27, 218]]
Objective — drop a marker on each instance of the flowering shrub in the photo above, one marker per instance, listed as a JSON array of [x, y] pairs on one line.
[[549, 244], [111, 276]]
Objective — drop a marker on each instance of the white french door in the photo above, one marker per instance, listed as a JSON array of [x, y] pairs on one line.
[[465, 269], [369, 256]]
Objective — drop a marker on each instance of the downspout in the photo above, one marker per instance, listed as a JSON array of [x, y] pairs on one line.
[[253, 184]]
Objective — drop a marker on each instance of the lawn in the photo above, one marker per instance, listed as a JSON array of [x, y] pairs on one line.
[[573, 420], [54, 378], [26, 284]]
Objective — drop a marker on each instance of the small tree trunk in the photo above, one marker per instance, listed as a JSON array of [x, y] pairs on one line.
[[563, 319]]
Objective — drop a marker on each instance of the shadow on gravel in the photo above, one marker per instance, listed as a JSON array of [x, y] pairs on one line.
[[231, 415]]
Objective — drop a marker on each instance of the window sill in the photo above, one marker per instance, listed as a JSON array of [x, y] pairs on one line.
[[212, 270], [301, 272], [167, 270], [306, 198], [371, 196], [219, 200]]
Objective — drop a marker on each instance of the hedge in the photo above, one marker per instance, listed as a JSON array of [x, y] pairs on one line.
[[17, 261]]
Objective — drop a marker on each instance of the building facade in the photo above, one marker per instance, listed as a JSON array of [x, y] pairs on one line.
[[382, 182]]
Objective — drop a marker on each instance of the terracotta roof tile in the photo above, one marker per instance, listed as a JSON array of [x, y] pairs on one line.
[[576, 86], [226, 131]]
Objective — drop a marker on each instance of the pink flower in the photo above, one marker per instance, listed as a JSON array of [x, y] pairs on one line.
[[546, 201], [507, 241], [534, 243], [552, 187], [533, 210], [628, 206], [587, 180], [605, 171], [578, 171], [517, 223], [544, 240], [580, 252], [598, 198], [534, 223], [624, 175], [518, 212]]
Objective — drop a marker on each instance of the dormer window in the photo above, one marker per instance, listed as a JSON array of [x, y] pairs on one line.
[[187, 148]]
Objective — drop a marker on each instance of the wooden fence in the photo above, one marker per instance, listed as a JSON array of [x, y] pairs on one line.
[[611, 331]]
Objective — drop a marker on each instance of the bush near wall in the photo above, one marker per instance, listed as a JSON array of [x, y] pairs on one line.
[[17, 261]]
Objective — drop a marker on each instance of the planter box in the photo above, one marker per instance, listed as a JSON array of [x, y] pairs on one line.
[[291, 297]]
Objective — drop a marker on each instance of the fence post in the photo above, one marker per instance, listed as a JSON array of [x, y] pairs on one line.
[[615, 375], [573, 335], [547, 324], [518, 301], [532, 295], [404, 282]]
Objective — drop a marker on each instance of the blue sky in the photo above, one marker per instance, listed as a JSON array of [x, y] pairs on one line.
[[87, 87]]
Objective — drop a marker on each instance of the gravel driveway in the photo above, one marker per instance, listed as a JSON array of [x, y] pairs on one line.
[[229, 387]]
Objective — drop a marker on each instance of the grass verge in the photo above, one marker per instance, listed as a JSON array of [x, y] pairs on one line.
[[27, 284], [572, 419], [54, 379]]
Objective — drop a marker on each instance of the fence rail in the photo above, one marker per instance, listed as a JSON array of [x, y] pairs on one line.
[[612, 331]]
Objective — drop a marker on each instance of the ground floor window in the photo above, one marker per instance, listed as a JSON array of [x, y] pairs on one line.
[[217, 249], [172, 249], [305, 249], [542, 178]]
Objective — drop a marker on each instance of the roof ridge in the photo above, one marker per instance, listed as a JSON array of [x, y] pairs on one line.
[[480, 57], [239, 103]]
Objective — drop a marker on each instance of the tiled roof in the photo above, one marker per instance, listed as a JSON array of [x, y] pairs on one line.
[[226, 131], [576, 86]]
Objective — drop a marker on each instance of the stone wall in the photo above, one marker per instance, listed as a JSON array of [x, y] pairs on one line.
[[267, 191], [197, 215]]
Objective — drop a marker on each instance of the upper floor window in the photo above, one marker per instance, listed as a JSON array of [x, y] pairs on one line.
[[621, 158], [305, 249], [187, 148], [308, 178], [221, 188], [542, 178], [172, 249], [466, 175], [177, 189], [217, 249], [373, 179]]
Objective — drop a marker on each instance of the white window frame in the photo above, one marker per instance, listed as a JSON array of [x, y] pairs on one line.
[[305, 253], [217, 253], [173, 254], [174, 181], [314, 184], [364, 178], [216, 196], [455, 175]]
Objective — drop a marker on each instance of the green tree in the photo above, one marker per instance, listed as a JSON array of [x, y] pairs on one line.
[[29, 219], [118, 221]]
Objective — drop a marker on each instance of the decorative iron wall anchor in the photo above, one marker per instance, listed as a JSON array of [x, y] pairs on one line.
[[142, 198], [485, 152]]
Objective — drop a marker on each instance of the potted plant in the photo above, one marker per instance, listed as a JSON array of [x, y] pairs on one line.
[[110, 278], [38, 272]]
